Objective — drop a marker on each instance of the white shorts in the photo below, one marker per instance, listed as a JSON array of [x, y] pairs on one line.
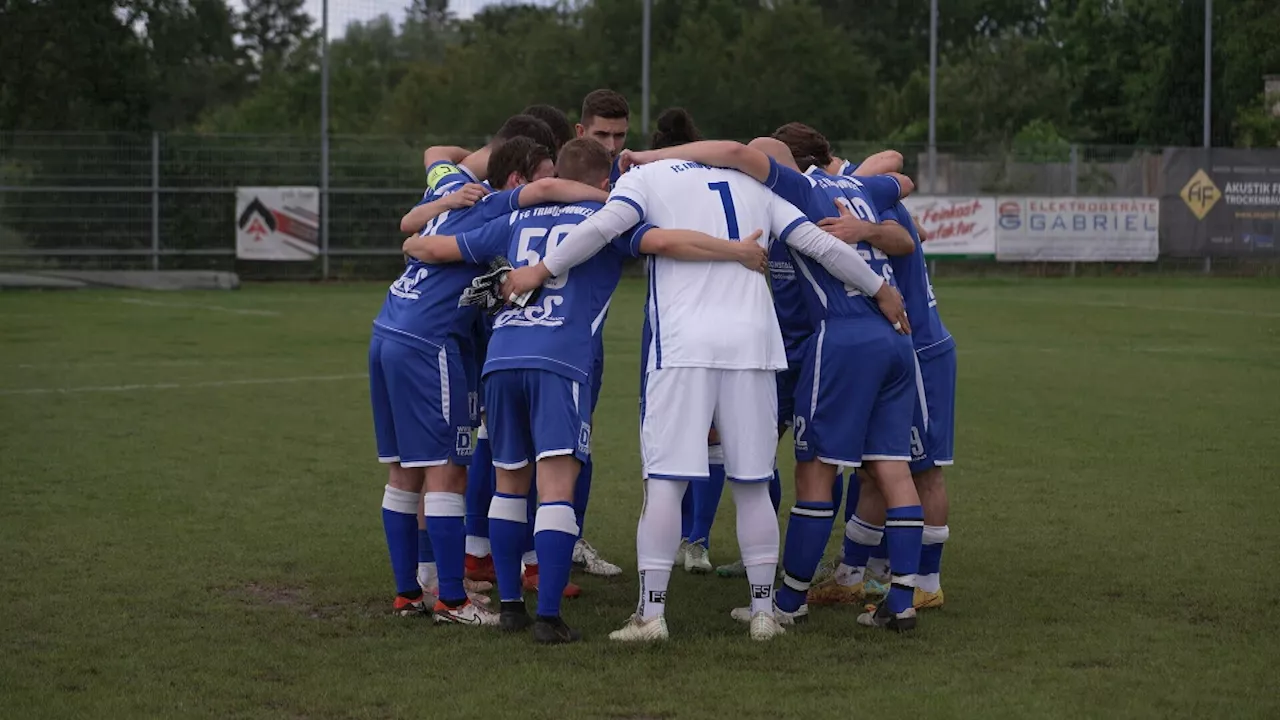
[[680, 403]]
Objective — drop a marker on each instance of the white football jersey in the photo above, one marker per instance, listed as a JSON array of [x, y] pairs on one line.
[[709, 314]]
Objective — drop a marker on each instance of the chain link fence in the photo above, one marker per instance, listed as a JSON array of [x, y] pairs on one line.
[[167, 201]]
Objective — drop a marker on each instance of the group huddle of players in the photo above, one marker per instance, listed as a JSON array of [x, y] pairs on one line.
[[786, 289]]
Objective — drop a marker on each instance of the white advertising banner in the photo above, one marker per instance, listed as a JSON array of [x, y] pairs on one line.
[[277, 223], [1089, 229], [955, 226]]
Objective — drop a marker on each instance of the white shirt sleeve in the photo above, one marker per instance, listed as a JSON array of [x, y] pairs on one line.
[[791, 226], [591, 235]]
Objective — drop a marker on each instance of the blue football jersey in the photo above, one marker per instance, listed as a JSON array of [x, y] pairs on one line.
[[817, 194], [911, 272], [558, 331], [421, 307], [788, 301]]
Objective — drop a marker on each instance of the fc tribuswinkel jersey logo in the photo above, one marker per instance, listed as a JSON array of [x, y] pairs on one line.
[[1200, 194]]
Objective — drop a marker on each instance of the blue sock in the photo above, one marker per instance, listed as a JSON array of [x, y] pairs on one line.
[[706, 500], [686, 513], [400, 523], [903, 530], [582, 494], [775, 491], [555, 533], [445, 512], [480, 480], [851, 495], [508, 522], [860, 538], [425, 552], [881, 551], [807, 534]]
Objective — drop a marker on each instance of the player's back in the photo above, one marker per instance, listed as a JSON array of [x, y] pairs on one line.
[[706, 314], [556, 331], [911, 273]]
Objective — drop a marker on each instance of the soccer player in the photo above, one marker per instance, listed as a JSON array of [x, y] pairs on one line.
[[561, 129], [715, 348], [416, 379], [933, 427], [605, 119], [539, 359], [856, 411]]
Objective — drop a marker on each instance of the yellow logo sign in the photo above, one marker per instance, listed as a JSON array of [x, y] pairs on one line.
[[1200, 194]]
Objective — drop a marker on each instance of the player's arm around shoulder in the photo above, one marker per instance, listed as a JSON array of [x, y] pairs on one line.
[[435, 249], [423, 213], [559, 190], [887, 236], [716, 153], [691, 245]]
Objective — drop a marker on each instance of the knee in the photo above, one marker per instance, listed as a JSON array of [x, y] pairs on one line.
[[403, 478], [930, 482]]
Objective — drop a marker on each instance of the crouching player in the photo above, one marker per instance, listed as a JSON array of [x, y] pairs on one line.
[[537, 373]]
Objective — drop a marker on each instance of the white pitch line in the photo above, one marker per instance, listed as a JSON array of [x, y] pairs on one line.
[[181, 386], [217, 308], [190, 362]]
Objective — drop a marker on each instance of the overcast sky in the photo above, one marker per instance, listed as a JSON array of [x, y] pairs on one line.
[[342, 12]]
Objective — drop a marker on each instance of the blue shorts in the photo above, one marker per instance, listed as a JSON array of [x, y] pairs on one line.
[[787, 380], [933, 430], [420, 414], [597, 381], [856, 395], [535, 414]]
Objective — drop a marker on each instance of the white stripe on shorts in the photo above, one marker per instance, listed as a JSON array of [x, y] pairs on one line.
[[817, 371], [924, 404], [443, 359]]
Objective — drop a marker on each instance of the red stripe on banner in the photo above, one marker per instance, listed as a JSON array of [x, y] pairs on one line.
[[287, 225]]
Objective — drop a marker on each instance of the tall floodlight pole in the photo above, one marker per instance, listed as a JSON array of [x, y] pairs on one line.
[[1208, 66], [644, 70], [324, 140], [933, 95]]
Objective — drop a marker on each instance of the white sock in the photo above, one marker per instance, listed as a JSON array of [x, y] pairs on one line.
[[848, 576], [758, 541], [653, 593], [878, 567], [657, 539], [477, 546], [427, 575], [929, 583], [530, 558]]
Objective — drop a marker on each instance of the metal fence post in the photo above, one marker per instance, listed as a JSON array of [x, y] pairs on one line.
[[1075, 169], [155, 200]]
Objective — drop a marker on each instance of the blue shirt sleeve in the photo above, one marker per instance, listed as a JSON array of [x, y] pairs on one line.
[[883, 190], [498, 204], [795, 188], [628, 243], [489, 241]]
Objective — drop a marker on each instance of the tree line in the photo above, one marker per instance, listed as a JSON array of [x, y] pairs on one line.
[[1125, 72]]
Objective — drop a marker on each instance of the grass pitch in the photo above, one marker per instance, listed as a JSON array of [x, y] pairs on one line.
[[189, 524]]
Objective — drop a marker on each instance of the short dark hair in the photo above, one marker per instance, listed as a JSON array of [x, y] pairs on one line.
[[605, 104], [808, 146], [585, 161], [520, 155], [555, 119], [527, 126], [675, 127]]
